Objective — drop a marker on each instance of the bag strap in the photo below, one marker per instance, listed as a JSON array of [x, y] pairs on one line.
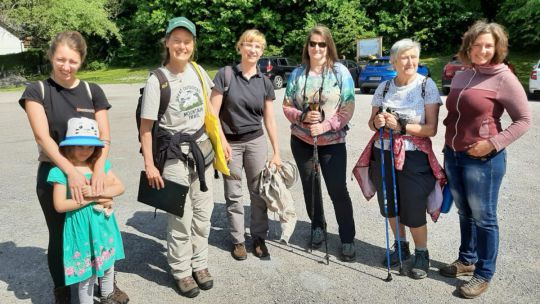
[[424, 82], [201, 79], [386, 88], [88, 90], [42, 87], [164, 92]]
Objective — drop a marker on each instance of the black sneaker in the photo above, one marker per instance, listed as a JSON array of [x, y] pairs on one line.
[[259, 248], [317, 237], [421, 265], [394, 255]]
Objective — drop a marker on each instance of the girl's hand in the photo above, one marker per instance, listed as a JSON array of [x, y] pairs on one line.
[[77, 181], [88, 192], [98, 183], [480, 148], [276, 160], [154, 178]]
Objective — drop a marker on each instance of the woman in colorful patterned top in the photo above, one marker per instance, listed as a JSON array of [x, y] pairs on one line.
[[475, 156], [327, 86]]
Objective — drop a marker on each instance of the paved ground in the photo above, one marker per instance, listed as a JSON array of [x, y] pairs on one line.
[[293, 275]]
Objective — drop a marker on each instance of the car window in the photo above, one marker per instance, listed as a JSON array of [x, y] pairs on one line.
[[292, 62], [263, 62], [379, 62], [282, 61]]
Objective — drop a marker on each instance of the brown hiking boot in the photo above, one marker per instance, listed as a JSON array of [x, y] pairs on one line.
[[203, 279], [259, 248], [62, 295], [473, 288], [118, 296], [188, 287], [239, 252], [457, 269]]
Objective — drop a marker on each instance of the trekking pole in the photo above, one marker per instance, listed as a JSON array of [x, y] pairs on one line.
[[381, 137], [316, 186], [401, 272]]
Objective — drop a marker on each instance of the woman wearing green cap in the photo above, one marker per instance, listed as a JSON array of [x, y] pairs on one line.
[[189, 154]]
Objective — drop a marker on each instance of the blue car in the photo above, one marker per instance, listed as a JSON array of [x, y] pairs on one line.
[[379, 70]]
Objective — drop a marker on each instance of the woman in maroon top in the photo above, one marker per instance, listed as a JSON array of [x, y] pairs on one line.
[[474, 155]]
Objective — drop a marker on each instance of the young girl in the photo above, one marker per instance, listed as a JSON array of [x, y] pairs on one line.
[[92, 241]]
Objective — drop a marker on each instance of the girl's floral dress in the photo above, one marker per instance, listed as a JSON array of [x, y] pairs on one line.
[[92, 241]]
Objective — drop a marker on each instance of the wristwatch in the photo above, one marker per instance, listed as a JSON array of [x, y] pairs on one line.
[[403, 124]]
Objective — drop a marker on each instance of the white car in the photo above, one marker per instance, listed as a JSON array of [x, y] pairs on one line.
[[534, 79]]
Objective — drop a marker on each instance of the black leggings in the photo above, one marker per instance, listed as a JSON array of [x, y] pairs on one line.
[[55, 224], [333, 164]]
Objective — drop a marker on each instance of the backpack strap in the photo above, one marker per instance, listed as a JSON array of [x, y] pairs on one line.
[[424, 82], [386, 88], [164, 92], [88, 90], [42, 88]]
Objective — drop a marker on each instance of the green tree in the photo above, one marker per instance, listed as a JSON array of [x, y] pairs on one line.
[[521, 18], [42, 19]]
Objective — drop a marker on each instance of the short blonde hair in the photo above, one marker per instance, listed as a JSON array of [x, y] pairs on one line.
[[252, 35], [480, 28]]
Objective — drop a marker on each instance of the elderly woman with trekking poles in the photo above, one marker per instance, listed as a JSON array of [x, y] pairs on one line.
[[401, 162], [185, 152], [244, 99], [474, 153], [319, 102]]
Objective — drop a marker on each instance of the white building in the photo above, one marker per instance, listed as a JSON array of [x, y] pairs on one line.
[[9, 43]]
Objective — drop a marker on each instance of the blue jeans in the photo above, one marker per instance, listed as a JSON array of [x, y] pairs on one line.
[[475, 185]]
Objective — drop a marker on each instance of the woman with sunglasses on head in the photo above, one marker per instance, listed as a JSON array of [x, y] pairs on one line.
[[475, 155], [327, 86], [244, 98]]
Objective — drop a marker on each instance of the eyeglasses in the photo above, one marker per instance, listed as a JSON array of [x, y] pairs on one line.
[[321, 45], [250, 45]]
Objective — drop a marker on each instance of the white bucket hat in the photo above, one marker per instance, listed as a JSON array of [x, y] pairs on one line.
[[82, 131]]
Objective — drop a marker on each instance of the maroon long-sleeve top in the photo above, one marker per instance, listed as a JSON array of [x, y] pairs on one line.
[[478, 98]]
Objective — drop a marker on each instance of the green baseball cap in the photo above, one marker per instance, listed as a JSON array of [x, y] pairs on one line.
[[181, 22]]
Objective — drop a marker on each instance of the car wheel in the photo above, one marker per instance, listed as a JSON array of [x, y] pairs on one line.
[[278, 82], [445, 90], [364, 90]]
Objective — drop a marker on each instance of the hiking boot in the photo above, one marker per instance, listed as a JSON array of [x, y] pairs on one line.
[[317, 237], [118, 296], [473, 288], [259, 248], [108, 299], [62, 295], [188, 287], [203, 279], [239, 252], [457, 269], [394, 255], [348, 252], [421, 264]]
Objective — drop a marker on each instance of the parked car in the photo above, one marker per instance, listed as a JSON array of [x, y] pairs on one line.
[[379, 70], [453, 67], [277, 69], [354, 69], [534, 79]]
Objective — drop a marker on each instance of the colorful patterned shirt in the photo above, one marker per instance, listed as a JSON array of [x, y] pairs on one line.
[[336, 101]]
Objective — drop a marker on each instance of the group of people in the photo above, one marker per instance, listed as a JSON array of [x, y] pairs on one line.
[[76, 186]]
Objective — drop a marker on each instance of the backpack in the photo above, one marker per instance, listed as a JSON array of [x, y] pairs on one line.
[[387, 87], [164, 98]]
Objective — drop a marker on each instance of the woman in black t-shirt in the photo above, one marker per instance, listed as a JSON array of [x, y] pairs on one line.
[[49, 105]]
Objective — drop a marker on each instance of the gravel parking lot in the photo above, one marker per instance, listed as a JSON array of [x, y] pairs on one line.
[[292, 275]]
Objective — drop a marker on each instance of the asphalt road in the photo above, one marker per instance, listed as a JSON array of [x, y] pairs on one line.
[[292, 275]]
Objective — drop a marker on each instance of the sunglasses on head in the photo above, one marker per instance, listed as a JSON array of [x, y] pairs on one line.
[[320, 44]]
